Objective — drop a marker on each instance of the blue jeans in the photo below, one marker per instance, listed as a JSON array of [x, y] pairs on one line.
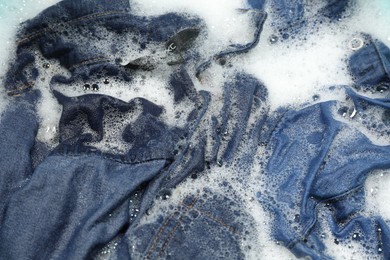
[[69, 201]]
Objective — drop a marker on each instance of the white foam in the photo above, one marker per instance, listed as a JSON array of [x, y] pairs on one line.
[[296, 70], [11, 14], [293, 71], [377, 194]]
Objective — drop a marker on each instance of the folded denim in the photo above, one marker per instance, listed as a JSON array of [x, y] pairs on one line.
[[290, 19], [69, 201]]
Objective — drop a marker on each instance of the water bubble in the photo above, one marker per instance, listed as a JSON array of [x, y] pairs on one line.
[[356, 236], [336, 241], [315, 97], [355, 44], [353, 114], [95, 87], [87, 87], [106, 81], [219, 163], [382, 88], [273, 39], [165, 195], [46, 65], [222, 61], [297, 218], [343, 111]]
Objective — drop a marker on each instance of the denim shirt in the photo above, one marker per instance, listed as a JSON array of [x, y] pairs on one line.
[[71, 200]]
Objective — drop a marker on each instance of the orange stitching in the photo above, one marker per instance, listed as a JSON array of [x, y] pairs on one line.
[[32, 36], [91, 16], [158, 235], [10, 92], [177, 225], [166, 223], [220, 222], [86, 17], [169, 238], [88, 62], [193, 202]]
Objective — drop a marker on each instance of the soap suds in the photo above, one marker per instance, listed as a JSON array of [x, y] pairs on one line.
[[295, 72]]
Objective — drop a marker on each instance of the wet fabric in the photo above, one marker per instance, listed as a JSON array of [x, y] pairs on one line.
[[334, 162], [290, 17], [71, 200], [370, 65]]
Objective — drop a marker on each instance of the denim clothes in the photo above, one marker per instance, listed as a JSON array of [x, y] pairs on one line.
[[109, 176]]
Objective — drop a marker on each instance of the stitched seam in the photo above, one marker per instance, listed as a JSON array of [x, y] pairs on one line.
[[96, 15], [90, 61], [106, 157], [169, 238], [157, 238], [204, 213], [33, 36], [86, 17], [220, 222], [193, 202], [14, 92]]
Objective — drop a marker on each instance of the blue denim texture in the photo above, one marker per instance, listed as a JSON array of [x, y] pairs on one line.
[[69, 201]]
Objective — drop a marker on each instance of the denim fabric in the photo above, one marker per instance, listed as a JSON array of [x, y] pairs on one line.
[[320, 164], [289, 15], [15, 170], [259, 17], [69, 201], [370, 66], [206, 224]]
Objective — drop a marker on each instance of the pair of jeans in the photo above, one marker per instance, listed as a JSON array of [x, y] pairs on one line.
[[71, 200]]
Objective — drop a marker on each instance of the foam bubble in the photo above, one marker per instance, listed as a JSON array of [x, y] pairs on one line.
[[294, 71], [11, 14], [377, 194]]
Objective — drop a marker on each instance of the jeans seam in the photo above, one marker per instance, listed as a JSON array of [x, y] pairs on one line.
[[219, 221], [86, 17], [157, 238], [15, 92], [169, 238], [162, 228], [117, 160], [165, 244], [89, 61]]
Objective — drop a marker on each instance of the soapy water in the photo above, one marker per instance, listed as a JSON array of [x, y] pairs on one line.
[[295, 72]]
